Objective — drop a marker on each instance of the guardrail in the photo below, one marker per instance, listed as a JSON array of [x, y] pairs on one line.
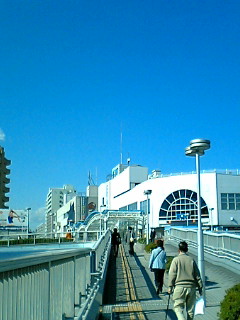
[[54, 285], [222, 248], [44, 238]]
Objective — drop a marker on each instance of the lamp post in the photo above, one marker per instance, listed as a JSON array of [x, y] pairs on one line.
[[101, 224], [211, 221], [196, 149], [28, 209], [147, 193]]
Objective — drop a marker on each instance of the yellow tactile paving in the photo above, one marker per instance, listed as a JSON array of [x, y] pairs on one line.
[[133, 307]]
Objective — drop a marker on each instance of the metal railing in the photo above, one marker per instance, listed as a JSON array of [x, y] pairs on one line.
[[54, 285], [223, 248], [49, 238], [221, 171]]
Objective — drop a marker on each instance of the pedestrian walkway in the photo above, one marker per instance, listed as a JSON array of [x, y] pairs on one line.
[[130, 292]]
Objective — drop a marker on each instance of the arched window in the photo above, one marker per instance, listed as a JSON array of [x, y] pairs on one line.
[[182, 205]]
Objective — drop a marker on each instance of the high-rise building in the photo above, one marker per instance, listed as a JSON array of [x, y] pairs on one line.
[[4, 180], [56, 198]]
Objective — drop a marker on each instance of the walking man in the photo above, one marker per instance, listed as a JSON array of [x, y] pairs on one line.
[[116, 240], [152, 235], [184, 278]]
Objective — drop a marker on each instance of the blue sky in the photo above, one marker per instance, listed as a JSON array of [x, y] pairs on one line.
[[74, 74]]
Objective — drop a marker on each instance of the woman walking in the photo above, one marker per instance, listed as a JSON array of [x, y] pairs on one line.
[[157, 264]]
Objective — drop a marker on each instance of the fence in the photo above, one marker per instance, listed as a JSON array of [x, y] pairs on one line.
[[43, 238], [54, 285], [222, 248]]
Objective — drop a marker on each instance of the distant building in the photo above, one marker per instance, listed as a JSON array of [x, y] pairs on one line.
[[4, 180], [70, 213], [92, 198], [41, 229], [124, 179], [173, 198], [56, 198]]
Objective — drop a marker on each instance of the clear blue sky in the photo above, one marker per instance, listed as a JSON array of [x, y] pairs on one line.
[[76, 73]]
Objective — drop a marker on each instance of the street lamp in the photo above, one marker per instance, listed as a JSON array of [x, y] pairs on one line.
[[147, 193], [196, 149], [211, 221], [28, 209], [101, 221]]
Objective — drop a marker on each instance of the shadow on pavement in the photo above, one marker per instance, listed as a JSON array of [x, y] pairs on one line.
[[109, 296], [147, 279]]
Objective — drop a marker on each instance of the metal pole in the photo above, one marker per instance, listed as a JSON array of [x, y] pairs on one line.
[[147, 240], [200, 231], [28, 209], [211, 221], [28, 221]]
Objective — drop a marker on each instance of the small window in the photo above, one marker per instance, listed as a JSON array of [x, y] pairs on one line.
[[237, 201]]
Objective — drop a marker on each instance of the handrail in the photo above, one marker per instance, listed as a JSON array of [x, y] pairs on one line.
[[223, 248], [49, 238], [54, 285]]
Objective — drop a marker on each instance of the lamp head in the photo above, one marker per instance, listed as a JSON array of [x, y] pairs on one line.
[[147, 192]]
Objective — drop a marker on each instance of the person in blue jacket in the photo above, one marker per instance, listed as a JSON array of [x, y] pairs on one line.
[[157, 264]]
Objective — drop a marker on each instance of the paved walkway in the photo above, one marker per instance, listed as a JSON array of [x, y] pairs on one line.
[[154, 307]]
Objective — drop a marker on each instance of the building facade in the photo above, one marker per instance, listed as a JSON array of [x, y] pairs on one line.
[[70, 213], [173, 198], [56, 198]]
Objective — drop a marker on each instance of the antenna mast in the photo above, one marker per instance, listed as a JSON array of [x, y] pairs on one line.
[[121, 145]]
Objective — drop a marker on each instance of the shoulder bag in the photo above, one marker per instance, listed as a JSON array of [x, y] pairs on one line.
[[151, 269]]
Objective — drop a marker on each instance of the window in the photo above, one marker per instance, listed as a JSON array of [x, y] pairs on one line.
[[230, 201], [237, 201], [143, 206], [224, 201], [182, 205], [132, 206], [123, 208]]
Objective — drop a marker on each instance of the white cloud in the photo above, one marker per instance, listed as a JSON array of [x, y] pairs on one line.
[[2, 135], [36, 217]]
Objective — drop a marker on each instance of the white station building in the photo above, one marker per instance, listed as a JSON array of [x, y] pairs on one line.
[[172, 199]]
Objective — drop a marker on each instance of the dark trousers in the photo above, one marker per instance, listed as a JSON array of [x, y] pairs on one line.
[[131, 248], [115, 249], [158, 278]]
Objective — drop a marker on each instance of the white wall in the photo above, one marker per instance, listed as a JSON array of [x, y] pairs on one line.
[[212, 185], [162, 187], [110, 190]]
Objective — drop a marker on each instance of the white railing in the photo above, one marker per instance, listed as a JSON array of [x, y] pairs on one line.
[[49, 238], [221, 171], [222, 248], [54, 285]]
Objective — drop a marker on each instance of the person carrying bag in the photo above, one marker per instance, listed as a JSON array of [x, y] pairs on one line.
[[157, 264]]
